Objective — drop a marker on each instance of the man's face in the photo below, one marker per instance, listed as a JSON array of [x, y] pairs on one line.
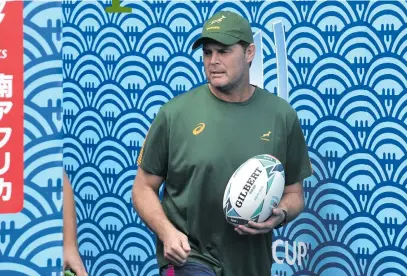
[[224, 65]]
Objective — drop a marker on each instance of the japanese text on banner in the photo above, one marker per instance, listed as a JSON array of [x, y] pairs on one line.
[[11, 107]]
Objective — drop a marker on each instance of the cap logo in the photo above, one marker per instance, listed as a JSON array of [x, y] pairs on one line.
[[217, 20]]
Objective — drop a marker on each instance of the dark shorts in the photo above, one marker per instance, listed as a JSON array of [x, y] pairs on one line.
[[188, 269]]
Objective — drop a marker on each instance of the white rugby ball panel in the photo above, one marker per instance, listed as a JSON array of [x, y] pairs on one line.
[[254, 189]]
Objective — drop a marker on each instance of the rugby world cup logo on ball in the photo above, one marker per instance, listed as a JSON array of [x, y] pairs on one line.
[[254, 189]]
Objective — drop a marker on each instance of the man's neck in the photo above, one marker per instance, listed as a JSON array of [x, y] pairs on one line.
[[238, 94]]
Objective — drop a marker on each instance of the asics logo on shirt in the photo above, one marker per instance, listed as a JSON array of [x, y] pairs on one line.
[[198, 129], [265, 136]]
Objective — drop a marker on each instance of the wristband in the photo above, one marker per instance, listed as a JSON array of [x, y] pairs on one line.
[[284, 222]]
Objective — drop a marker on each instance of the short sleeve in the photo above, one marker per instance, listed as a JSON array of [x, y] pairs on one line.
[[153, 156], [298, 165]]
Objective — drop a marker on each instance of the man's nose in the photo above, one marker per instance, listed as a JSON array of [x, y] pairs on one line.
[[214, 58]]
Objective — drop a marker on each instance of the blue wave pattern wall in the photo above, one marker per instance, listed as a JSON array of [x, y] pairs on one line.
[[347, 80], [31, 241]]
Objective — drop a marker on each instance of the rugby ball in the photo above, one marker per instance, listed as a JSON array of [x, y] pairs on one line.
[[254, 189]]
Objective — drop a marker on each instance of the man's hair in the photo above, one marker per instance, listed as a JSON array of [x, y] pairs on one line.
[[245, 44]]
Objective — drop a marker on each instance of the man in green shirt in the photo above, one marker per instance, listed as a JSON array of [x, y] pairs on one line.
[[197, 141]]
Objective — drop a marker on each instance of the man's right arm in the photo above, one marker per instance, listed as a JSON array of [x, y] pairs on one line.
[[148, 206]]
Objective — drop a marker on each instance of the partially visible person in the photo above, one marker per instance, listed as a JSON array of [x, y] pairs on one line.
[[70, 244]]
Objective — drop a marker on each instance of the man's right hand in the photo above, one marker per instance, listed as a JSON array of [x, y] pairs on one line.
[[176, 247], [148, 206]]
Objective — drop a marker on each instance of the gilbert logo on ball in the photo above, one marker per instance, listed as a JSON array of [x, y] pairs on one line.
[[254, 189]]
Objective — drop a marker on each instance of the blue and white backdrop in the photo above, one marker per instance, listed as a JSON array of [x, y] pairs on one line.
[[344, 66], [346, 77]]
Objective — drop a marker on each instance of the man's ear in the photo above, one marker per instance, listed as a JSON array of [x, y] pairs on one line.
[[250, 50]]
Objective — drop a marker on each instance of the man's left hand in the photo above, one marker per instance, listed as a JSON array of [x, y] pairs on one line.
[[276, 218]]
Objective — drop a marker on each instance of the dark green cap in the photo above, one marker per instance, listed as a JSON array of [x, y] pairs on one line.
[[227, 28]]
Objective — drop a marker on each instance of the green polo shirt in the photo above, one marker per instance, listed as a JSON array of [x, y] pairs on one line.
[[196, 142]]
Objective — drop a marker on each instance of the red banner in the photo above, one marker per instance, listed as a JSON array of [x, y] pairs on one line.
[[11, 107]]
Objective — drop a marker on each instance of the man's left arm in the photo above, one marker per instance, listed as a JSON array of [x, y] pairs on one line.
[[297, 168], [292, 201]]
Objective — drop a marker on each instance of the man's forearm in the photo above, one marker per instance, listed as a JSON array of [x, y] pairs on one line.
[[149, 208], [293, 203], [69, 215]]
